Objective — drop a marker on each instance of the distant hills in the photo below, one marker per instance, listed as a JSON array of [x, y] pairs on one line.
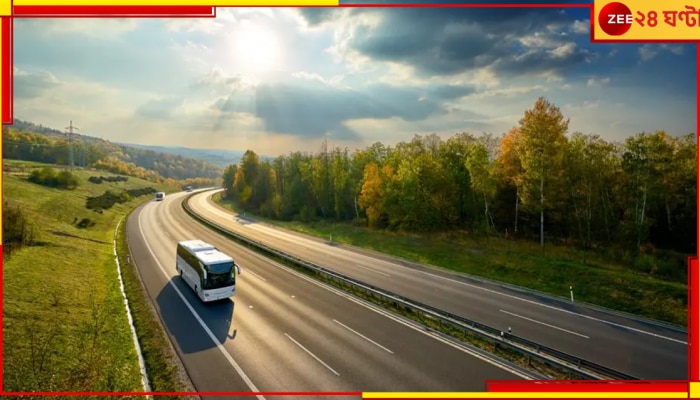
[[221, 158], [32, 142]]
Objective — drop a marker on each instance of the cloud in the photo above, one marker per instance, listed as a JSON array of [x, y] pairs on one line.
[[447, 42], [581, 27], [451, 92], [33, 84], [648, 52], [352, 75], [315, 110], [593, 81], [97, 28], [161, 108]]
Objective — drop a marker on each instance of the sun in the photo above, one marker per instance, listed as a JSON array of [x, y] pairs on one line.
[[255, 49]]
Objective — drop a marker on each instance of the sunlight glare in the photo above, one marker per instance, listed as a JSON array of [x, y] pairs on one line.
[[256, 49]]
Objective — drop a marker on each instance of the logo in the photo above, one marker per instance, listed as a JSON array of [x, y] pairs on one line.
[[615, 19]]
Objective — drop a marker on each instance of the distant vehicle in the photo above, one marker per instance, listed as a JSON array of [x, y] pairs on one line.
[[207, 270], [188, 188], [160, 196]]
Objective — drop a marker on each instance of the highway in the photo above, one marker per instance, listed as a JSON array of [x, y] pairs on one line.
[[638, 348], [284, 332]]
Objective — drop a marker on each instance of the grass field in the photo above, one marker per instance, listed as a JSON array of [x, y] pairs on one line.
[[64, 321], [598, 280]]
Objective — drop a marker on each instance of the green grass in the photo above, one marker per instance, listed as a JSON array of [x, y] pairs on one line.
[[598, 280], [64, 322]]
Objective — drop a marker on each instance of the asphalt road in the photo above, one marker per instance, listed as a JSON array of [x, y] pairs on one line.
[[284, 332], [635, 347]]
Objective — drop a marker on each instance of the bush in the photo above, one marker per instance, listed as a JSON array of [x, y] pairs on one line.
[[100, 179], [16, 230], [109, 198], [85, 223], [48, 177]]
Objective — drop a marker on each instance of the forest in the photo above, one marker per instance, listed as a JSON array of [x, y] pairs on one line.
[[536, 182], [101, 154]]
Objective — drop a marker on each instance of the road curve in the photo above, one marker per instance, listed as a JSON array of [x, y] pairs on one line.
[[284, 332], [634, 347]]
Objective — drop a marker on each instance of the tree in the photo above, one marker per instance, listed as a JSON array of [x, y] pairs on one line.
[[540, 148], [509, 166], [647, 161], [479, 163], [452, 155], [229, 177]]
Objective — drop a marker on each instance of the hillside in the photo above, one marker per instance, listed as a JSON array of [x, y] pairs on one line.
[[31, 142], [219, 157]]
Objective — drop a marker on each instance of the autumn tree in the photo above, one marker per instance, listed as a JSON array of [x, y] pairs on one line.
[[541, 148], [509, 167]]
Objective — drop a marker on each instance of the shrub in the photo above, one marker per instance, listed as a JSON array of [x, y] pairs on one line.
[[100, 179], [48, 177], [17, 231], [108, 199], [85, 223]]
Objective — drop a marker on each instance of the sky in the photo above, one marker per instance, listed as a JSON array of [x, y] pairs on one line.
[[276, 80]]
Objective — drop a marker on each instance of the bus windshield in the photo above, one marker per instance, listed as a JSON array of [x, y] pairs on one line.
[[220, 268], [220, 275]]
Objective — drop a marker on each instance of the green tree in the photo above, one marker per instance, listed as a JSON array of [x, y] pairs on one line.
[[482, 171], [540, 147]]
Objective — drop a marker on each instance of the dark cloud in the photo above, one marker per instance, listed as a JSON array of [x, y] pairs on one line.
[[318, 16], [28, 85], [160, 108], [317, 110], [447, 41]]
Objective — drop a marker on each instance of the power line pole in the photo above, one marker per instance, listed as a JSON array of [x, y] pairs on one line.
[[70, 138]]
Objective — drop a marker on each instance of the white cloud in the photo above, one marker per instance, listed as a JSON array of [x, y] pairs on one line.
[[581, 27], [593, 81], [564, 50], [98, 28], [647, 53]]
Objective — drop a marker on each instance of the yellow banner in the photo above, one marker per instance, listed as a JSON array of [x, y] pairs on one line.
[[645, 20]]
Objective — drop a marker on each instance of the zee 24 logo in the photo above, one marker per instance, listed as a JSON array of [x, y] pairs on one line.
[[616, 19]]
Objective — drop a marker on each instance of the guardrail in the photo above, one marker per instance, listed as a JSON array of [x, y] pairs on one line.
[[574, 366]]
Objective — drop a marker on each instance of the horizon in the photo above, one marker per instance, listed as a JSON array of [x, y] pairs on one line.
[[349, 76]]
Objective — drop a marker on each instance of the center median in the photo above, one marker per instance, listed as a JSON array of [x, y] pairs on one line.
[[525, 353]]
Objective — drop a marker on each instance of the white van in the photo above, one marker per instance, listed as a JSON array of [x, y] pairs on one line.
[[160, 196]]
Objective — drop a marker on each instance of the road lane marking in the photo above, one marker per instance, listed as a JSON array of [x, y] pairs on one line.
[[407, 323], [218, 344], [201, 198], [256, 275], [373, 270], [362, 336], [656, 335], [545, 324], [311, 354]]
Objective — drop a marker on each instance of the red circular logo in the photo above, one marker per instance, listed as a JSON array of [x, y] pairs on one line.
[[615, 19]]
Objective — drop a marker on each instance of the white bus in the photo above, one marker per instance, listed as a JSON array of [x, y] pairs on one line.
[[160, 196], [208, 271]]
